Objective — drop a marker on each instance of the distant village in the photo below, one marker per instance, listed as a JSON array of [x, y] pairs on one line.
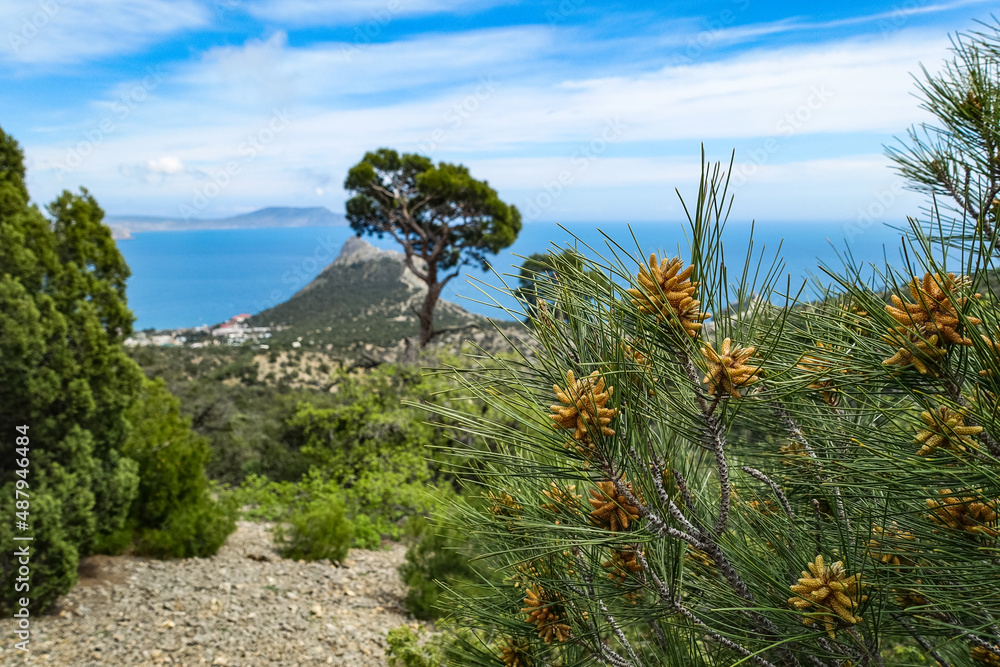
[[234, 332]]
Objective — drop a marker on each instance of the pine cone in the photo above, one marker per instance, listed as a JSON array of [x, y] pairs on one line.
[[946, 428], [888, 549], [697, 556], [936, 308], [612, 510], [504, 504], [821, 370], [668, 292], [827, 587], [584, 446], [638, 364], [728, 370], [514, 653], [793, 454], [993, 347], [854, 318], [913, 349], [546, 614], [633, 355], [981, 654], [910, 598], [563, 498], [583, 406], [623, 563], [967, 514]]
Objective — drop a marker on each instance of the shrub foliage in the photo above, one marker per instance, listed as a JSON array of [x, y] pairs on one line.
[[64, 375]]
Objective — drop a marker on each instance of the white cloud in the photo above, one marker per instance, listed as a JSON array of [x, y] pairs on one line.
[[155, 170], [69, 31], [853, 86], [534, 108], [328, 73], [375, 12], [166, 165]]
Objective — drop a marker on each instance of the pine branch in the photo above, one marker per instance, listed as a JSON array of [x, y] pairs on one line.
[[664, 592], [715, 436]]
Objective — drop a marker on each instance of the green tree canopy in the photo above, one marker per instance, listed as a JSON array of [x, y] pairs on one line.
[[442, 217]]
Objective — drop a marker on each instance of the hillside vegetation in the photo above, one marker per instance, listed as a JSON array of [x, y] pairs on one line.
[[366, 296]]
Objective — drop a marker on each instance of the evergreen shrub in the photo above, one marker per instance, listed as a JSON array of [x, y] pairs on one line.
[[316, 529], [177, 513], [437, 554]]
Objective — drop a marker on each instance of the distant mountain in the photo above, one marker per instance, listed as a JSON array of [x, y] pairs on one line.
[[123, 226], [365, 297]]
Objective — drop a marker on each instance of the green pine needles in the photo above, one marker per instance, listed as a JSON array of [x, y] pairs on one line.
[[786, 481]]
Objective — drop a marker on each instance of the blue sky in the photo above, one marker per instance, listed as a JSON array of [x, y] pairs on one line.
[[574, 110]]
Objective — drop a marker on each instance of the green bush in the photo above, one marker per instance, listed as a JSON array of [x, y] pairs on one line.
[[366, 533], [175, 513], [54, 557], [437, 554], [198, 529], [244, 421], [263, 499], [448, 646], [316, 529], [377, 505], [406, 650]]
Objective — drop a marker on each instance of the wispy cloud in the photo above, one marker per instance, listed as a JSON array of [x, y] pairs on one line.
[[517, 103], [341, 12], [70, 31], [330, 73], [886, 21]]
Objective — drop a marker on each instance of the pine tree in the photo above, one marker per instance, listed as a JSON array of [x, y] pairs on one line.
[[956, 157], [443, 218], [710, 473]]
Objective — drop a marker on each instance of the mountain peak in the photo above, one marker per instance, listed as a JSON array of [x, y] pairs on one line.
[[367, 295], [356, 249]]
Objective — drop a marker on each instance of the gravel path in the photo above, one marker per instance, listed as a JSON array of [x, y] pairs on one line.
[[245, 606]]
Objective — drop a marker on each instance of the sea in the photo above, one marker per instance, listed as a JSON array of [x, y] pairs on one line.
[[190, 278]]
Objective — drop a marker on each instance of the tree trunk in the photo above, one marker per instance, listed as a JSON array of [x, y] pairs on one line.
[[426, 314]]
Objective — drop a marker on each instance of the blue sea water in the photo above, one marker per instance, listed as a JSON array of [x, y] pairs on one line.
[[183, 279]]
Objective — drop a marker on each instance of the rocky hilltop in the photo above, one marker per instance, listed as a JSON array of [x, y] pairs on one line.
[[366, 298]]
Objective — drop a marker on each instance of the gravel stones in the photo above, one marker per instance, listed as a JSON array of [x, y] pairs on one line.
[[244, 606]]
